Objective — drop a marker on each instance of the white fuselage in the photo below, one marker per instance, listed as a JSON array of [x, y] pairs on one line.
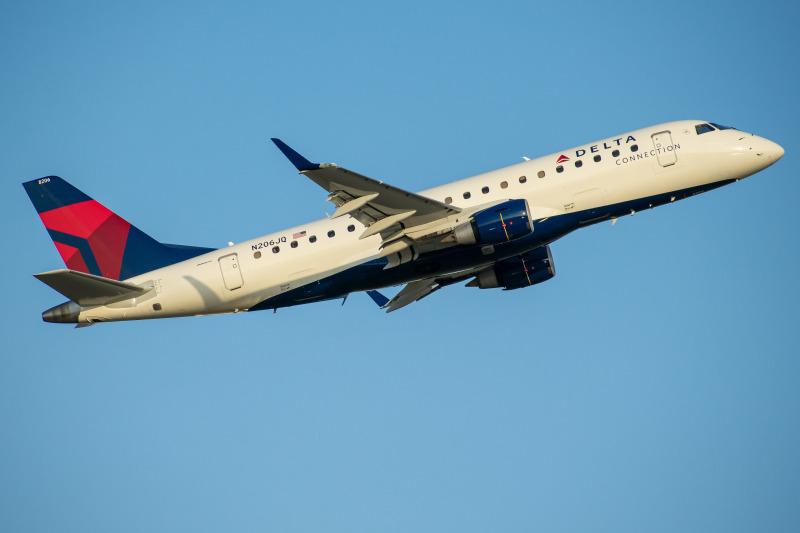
[[669, 158]]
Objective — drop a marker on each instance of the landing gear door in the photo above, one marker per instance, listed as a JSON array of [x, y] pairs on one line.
[[231, 273], [665, 150]]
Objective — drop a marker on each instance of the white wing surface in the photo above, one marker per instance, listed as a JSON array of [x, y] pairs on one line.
[[382, 208]]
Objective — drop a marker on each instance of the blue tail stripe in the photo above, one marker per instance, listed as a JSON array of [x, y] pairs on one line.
[[52, 192], [143, 254]]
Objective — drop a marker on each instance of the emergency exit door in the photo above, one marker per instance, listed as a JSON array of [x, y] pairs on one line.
[[665, 150], [231, 273]]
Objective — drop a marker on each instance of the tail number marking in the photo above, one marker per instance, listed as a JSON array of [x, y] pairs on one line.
[[266, 244]]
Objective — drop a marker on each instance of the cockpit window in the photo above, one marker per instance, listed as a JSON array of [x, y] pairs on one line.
[[703, 128], [720, 127]]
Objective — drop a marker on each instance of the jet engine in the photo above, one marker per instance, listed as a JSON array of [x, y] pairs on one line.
[[497, 224], [524, 270]]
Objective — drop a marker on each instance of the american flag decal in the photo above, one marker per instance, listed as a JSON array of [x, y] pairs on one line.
[[298, 235]]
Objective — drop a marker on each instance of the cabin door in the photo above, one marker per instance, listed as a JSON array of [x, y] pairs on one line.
[[231, 273], [665, 150]]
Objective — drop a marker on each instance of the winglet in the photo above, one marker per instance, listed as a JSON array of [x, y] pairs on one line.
[[378, 298], [296, 159]]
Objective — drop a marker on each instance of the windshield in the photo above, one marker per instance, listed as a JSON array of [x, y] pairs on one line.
[[705, 128]]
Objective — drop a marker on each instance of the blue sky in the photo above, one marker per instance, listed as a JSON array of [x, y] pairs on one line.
[[651, 385]]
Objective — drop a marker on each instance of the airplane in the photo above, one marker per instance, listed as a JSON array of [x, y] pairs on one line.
[[492, 230]]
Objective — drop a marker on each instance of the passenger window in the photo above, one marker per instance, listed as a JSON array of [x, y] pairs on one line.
[[634, 148], [578, 163], [313, 238], [276, 249], [615, 153], [523, 179], [703, 128], [541, 174], [448, 200], [559, 169], [257, 255], [294, 244], [485, 190], [331, 233], [351, 228], [467, 195], [504, 185], [597, 159]]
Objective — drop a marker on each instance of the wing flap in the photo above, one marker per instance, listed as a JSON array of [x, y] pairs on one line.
[[87, 289]]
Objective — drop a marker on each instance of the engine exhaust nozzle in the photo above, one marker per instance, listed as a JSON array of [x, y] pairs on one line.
[[66, 313]]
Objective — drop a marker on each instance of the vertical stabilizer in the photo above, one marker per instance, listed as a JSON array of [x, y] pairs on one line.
[[93, 239]]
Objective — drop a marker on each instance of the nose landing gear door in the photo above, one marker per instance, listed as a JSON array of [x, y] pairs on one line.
[[231, 273], [665, 150]]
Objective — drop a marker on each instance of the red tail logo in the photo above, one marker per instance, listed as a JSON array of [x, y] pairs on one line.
[[562, 158], [105, 232]]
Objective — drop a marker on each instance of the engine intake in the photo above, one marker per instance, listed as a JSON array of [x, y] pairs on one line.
[[524, 270], [497, 224]]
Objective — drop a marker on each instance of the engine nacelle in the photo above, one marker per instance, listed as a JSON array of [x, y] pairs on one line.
[[500, 223], [524, 270]]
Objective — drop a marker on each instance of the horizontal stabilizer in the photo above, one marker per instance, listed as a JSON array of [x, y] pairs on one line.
[[86, 289]]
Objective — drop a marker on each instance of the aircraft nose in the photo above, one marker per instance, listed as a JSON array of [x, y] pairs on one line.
[[767, 149], [777, 150]]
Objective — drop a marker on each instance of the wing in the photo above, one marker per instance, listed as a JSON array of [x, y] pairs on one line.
[[417, 290], [383, 209]]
